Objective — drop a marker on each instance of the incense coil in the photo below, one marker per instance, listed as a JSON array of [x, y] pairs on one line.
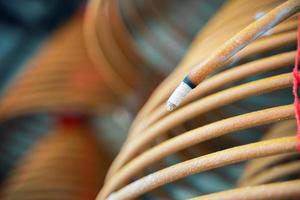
[[112, 50], [273, 177], [226, 105], [65, 164], [60, 78], [63, 74], [124, 41], [274, 168], [101, 61], [17, 136]]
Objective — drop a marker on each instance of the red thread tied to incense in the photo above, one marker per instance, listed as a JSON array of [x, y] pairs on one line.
[[296, 83], [71, 120]]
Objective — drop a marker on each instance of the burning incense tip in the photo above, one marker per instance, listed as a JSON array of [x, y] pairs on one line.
[[178, 95]]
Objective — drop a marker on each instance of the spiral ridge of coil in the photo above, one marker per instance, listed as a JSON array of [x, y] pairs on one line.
[[168, 149]]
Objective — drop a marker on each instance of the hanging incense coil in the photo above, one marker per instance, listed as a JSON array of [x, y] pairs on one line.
[[273, 177], [273, 168], [128, 43], [251, 92], [63, 74], [17, 136], [65, 164], [118, 65], [60, 78]]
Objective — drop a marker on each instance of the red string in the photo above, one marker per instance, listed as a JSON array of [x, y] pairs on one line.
[[71, 120], [296, 84]]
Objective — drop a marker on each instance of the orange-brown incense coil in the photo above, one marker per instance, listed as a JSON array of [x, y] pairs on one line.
[[59, 78], [66, 164], [273, 177], [220, 106], [273, 168], [104, 50], [113, 51], [236, 15]]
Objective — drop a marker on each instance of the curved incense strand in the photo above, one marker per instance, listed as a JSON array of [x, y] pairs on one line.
[[230, 48]]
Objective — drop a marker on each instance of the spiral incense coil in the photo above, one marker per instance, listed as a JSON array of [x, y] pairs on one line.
[[135, 43], [273, 177], [17, 136], [273, 168], [60, 78], [65, 164], [110, 48], [230, 49], [209, 39], [249, 93], [100, 58]]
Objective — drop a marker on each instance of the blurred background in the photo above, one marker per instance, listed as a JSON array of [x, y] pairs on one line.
[[73, 74]]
